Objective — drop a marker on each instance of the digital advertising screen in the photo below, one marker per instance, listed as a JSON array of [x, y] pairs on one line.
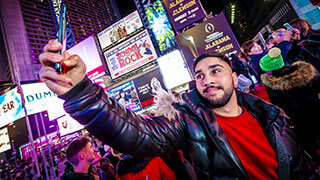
[[183, 13], [126, 95], [38, 97], [146, 86], [36, 124], [4, 140], [133, 22], [120, 30], [89, 53], [130, 54], [174, 69], [18, 132], [10, 107], [159, 24], [212, 36], [68, 125]]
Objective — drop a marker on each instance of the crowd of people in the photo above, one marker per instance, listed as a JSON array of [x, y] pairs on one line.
[[19, 167], [88, 158], [252, 118], [289, 72]]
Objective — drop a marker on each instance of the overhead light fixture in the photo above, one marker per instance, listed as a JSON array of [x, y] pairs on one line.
[[233, 7]]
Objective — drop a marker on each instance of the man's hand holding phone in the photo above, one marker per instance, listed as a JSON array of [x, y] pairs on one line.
[[74, 68], [59, 70]]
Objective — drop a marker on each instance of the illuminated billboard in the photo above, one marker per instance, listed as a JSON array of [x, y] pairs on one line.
[[174, 69], [130, 54], [212, 36], [88, 52], [147, 85], [126, 95], [4, 140], [184, 13], [159, 24], [38, 97], [120, 30], [68, 125], [10, 107]]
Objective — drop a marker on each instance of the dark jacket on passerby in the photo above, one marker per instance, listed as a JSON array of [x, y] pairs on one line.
[[295, 88], [242, 67], [206, 148], [309, 53], [254, 63], [69, 173]]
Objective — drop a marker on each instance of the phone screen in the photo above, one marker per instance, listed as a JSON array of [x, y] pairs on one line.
[[288, 26]]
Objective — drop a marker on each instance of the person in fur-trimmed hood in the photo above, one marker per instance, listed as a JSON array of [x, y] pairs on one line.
[[295, 89], [222, 133]]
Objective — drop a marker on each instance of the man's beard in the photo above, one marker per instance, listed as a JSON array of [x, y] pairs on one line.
[[216, 103]]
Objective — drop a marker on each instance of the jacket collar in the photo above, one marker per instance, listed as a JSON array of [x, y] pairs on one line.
[[263, 111], [290, 77]]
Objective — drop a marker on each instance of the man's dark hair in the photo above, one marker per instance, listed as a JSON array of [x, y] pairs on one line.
[[75, 147], [205, 55]]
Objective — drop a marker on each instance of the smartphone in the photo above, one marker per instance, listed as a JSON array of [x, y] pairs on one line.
[[61, 34], [288, 26]]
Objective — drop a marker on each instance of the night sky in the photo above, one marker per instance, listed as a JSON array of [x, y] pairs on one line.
[[128, 6]]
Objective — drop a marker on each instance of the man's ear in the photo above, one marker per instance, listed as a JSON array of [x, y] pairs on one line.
[[82, 156], [235, 79]]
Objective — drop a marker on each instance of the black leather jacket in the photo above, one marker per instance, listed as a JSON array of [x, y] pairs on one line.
[[206, 148]]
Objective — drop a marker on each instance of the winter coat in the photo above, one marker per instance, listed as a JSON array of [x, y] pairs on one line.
[[254, 63], [242, 67], [70, 175], [295, 89], [307, 53], [184, 126]]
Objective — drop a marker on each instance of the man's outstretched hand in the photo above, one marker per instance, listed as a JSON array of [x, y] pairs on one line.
[[73, 68]]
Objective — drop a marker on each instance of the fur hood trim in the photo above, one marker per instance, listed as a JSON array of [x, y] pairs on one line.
[[301, 77], [164, 103]]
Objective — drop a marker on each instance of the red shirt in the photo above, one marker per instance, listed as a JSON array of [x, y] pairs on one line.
[[248, 140], [156, 169]]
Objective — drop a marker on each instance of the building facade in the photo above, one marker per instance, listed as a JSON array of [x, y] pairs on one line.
[[307, 11], [27, 25]]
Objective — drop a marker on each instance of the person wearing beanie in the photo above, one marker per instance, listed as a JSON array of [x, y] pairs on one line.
[[295, 89], [272, 61]]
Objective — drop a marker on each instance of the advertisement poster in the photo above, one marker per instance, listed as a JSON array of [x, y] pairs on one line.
[[146, 86], [4, 140], [10, 107], [170, 64], [126, 95], [68, 125], [183, 12], [38, 97], [133, 22], [130, 54], [119, 30], [159, 24], [26, 150], [213, 35], [88, 52]]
